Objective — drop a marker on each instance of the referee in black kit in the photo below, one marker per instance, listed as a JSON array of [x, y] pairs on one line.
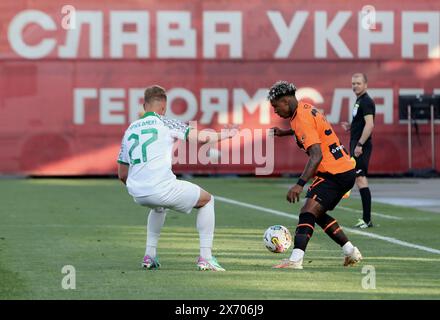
[[361, 129]]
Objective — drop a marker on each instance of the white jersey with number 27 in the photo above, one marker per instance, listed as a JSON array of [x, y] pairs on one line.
[[147, 148]]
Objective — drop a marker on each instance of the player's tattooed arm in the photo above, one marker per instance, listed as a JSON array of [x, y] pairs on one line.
[[281, 132], [315, 159], [314, 151], [309, 171]]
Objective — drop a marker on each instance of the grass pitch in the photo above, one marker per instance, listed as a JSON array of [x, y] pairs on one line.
[[95, 226]]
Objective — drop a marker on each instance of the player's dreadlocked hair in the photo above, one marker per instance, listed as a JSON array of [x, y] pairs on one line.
[[280, 89]]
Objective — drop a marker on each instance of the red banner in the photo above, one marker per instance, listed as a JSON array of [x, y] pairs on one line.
[[72, 78]]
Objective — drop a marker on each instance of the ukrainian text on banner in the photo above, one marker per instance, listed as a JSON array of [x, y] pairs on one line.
[[72, 79]]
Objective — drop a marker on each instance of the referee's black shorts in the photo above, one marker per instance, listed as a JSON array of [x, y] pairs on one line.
[[328, 189], [364, 159]]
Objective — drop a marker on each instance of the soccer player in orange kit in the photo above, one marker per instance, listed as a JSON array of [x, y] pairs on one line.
[[329, 164]]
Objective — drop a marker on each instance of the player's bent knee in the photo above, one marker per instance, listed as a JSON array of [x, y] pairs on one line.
[[204, 198], [159, 210], [313, 207], [362, 182]]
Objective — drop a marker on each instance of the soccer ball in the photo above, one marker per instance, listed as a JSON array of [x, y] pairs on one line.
[[277, 239]]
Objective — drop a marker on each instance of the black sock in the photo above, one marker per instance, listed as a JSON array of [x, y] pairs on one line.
[[366, 203], [304, 230], [332, 229]]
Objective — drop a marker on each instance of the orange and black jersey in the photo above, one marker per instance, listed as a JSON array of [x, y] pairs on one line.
[[311, 127]]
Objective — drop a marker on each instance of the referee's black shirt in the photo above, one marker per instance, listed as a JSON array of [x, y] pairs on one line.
[[364, 105]]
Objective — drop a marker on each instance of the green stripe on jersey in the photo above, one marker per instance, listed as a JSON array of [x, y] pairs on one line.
[[187, 132], [148, 114]]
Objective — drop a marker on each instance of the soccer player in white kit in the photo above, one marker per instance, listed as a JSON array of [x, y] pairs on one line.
[[144, 166]]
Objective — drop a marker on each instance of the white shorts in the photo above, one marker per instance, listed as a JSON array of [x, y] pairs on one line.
[[180, 196]]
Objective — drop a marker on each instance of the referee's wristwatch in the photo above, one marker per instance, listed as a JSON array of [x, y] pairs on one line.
[[359, 144]]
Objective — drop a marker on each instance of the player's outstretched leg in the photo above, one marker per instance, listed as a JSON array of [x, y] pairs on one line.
[[156, 219], [331, 227], [303, 233], [205, 226]]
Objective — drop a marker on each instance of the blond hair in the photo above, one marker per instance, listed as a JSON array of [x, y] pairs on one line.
[[154, 93]]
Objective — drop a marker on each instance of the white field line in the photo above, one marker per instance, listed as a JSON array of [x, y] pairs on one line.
[[362, 233], [385, 216]]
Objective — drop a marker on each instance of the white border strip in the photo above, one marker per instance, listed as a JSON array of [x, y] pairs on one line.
[[362, 233]]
